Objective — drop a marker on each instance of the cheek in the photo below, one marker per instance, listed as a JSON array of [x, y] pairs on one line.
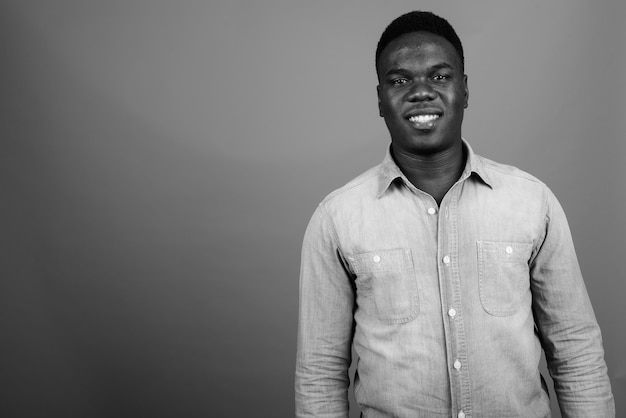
[[386, 107], [392, 103], [454, 100]]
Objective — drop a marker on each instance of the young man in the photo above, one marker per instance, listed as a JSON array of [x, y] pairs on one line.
[[447, 272]]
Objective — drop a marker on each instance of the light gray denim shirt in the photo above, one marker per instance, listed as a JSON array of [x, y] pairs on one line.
[[447, 307]]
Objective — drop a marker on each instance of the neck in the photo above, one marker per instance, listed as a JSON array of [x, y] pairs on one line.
[[433, 173]]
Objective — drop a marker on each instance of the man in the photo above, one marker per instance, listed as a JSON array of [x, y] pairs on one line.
[[445, 271]]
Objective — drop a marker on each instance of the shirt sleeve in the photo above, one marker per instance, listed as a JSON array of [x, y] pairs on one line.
[[325, 324], [566, 322]]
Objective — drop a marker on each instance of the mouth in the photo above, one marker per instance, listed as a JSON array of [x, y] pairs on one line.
[[424, 122]]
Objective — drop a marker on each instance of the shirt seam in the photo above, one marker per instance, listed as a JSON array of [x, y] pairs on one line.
[[329, 222], [488, 164], [366, 176], [544, 227]]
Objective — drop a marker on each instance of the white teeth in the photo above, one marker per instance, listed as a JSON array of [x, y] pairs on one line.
[[423, 118]]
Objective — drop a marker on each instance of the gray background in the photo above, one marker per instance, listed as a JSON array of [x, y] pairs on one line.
[[159, 162]]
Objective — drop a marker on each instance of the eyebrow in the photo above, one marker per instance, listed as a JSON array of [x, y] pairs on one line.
[[442, 65], [439, 66]]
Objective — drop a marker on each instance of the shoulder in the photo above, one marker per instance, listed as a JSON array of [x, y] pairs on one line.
[[517, 184], [508, 177], [507, 172], [341, 204], [362, 187]]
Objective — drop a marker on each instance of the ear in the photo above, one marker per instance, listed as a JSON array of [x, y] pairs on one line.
[[466, 101], [380, 108]]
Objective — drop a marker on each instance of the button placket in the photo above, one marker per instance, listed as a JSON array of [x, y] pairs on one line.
[[448, 250]]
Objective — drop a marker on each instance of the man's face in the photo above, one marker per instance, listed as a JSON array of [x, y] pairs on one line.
[[422, 93]]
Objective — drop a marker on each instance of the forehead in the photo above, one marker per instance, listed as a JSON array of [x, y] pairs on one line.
[[419, 48]]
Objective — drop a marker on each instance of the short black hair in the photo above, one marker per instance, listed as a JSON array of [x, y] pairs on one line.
[[419, 21]]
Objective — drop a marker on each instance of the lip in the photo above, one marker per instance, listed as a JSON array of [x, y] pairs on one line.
[[425, 126], [423, 111]]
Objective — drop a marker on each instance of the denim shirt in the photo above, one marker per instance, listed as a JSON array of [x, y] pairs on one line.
[[446, 307]]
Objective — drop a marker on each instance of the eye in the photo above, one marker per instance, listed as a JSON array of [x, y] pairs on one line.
[[441, 77], [399, 80]]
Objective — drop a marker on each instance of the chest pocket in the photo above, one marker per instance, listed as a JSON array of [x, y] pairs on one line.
[[503, 275], [387, 284]]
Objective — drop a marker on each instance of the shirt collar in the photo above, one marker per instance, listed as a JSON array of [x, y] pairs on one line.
[[390, 171]]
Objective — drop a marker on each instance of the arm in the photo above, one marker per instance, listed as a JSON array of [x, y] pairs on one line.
[[325, 325], [566, 323]]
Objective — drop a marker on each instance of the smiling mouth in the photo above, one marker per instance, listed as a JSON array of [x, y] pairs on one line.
[[424, 122]]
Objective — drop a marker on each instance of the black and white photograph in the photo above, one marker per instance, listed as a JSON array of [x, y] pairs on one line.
[[333, 209]]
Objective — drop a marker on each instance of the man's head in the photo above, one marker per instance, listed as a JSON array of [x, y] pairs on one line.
[[422, 89], [415, 22]]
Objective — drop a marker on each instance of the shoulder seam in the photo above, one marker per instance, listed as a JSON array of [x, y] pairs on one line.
[[519, 173], [331, 224], [362, 178]]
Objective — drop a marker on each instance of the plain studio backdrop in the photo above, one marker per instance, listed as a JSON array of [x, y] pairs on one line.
[[159, 162]]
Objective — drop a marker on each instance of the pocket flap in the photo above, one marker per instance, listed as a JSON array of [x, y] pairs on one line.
[[505, 251], [384, 260]]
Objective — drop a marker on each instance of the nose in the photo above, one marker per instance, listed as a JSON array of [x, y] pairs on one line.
[[421, 91]]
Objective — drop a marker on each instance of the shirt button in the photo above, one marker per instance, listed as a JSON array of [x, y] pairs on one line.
[[376, 259], [461, 414], [432, 211], [457, 365], [446, 259], [452, 312], [509, 250]]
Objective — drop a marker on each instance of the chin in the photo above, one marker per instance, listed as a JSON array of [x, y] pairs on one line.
[[426, 146]]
